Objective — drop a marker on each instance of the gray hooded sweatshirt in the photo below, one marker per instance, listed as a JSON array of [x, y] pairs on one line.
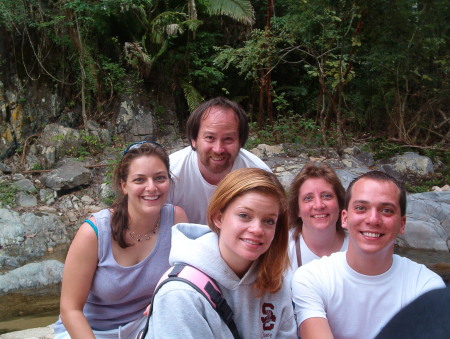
[[179, 311]]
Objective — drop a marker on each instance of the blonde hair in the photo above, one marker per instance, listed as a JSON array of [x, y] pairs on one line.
[[274, 262]]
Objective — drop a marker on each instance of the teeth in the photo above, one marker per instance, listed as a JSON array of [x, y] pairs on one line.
[[319, 216], [372, 235], [217, 158], [251, 242], [150, 198]]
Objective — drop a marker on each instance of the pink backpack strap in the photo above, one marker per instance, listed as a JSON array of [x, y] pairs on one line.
[[204, 285]]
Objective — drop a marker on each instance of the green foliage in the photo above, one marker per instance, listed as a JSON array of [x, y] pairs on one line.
[[7, 194], [382, 149], [288, 129]]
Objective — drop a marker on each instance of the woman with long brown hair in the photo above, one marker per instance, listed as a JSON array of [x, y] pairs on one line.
[[119, 254]]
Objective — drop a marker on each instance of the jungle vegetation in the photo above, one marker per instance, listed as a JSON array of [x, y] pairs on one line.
[[331, 69]]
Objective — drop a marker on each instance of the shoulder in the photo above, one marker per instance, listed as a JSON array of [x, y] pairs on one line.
[[248, 159], [412, 271], [179, 295], [181, 155], [180, 215]]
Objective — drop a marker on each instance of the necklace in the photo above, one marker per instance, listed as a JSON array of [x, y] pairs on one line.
[[147, 236]]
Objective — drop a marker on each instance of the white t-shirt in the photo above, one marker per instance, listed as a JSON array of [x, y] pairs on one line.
[[306, 254], [357, 306], [190, 190]]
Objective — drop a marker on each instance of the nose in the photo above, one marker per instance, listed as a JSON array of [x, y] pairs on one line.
[[374, 216], [318, 203], [150, 185], [218, 147], [256, 227]]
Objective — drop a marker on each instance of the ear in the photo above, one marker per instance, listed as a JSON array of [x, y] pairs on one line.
[[402, 225], [123, 185], [344, 217], [194, 144], [217, 219]]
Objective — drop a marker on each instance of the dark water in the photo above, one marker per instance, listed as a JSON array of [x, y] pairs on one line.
[[28, 310]]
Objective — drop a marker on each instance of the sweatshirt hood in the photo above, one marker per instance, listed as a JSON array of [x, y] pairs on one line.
[[198, 246]]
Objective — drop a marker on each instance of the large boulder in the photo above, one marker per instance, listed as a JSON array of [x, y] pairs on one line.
[[408, 164], [427, 221], [31, 276], [71, 175], [28, 236]]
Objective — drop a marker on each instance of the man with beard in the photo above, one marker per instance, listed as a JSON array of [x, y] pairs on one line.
[[217, 131]]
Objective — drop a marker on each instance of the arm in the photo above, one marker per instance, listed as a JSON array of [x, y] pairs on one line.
[[79, 270], [309, 303], [315, 328], [180, 215]]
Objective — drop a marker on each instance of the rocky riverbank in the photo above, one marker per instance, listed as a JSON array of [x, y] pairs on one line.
[[45, 208]]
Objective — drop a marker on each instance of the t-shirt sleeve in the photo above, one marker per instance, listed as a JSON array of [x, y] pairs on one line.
[[307, 294], [428, 280]]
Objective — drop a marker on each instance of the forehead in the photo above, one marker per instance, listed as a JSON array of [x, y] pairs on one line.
[[146, 161], [221, 117], [315, 184], [257, 201], [375, 191]]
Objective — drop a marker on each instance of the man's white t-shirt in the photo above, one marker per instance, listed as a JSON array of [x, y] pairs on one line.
[[356, 305], [190, 190]]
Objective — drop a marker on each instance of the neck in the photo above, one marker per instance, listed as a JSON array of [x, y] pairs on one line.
[[143, 224], [322, 242], [369, 263], [212, 178]]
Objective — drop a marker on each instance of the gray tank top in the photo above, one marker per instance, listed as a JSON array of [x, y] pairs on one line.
[[120, 294]]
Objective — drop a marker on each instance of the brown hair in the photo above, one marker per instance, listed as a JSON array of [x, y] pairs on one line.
[[274, 262], [201, 112], [120, 217], [379, 176], [314, 170]]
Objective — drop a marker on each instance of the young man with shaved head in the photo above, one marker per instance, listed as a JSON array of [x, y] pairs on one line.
[[354, 294], [217, 130]]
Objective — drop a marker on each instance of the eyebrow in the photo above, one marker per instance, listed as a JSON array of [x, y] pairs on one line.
[[367, 202]]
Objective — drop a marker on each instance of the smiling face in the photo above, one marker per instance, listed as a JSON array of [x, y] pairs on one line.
[[147, 185], [373, 219], [317, 204], [247, 228], [217, 143]]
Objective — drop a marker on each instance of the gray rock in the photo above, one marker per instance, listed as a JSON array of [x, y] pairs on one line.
[[34, 333], [264, 151], [24, 185], [69, 176], [409, 163], [5, 169], [34, 275], [28, 236], [427, 221], [26, 200], [47, 196], [364, 158], [17, 177]]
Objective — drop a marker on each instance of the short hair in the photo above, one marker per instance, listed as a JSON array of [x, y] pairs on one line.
[[195, 118], [120, 216], [309, 171], [378, 176], [274, 262]]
